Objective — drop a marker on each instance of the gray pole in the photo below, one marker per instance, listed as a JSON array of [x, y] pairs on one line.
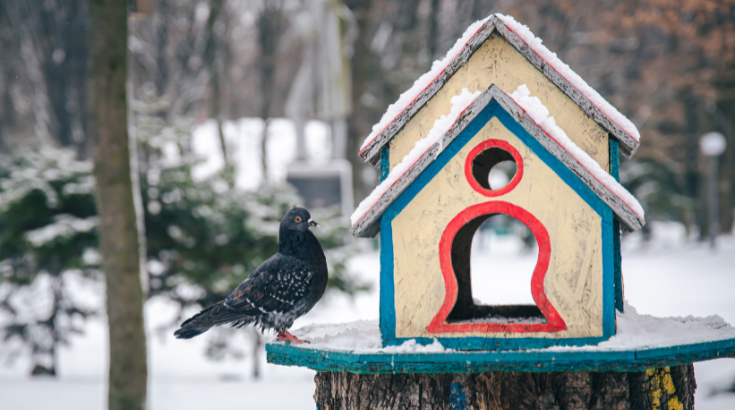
[[714, 223], [712, 145]]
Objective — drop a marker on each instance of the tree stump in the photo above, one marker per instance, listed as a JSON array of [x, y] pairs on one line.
[[664, 388]]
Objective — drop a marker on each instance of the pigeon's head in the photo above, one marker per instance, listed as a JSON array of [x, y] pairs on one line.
[[297, 219]]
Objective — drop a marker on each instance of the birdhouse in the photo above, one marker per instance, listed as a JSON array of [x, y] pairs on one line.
[[499, 96]]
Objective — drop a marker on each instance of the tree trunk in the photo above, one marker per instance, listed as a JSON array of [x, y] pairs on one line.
[[210, 59], [666, 388], [270, 28], [257, 344], [115, 205], [359, 122]]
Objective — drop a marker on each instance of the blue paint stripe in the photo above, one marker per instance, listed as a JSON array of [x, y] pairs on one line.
[[457, 398], [608, 274], [387, 302], [387, 283]]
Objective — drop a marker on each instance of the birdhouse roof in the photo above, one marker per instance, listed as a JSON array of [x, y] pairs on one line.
[[534, 118], [531, 47]]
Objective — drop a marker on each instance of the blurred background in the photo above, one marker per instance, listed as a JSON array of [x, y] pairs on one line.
[[240, 109]]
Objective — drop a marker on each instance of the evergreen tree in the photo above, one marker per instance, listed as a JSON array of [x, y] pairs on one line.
[[48, 253], [202, 237]]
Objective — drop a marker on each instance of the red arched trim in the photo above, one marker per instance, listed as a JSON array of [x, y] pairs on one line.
[[483, 146], [554, 322]]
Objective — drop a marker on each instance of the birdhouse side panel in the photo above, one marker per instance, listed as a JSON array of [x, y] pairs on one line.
[[498, 62], [413, 229]]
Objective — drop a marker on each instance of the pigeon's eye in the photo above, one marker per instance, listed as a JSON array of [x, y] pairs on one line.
[[297, 219]]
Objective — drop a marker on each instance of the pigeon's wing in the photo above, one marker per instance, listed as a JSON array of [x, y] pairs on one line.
[[276, 286]]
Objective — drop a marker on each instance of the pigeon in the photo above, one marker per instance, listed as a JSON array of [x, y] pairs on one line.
[[280, 290]]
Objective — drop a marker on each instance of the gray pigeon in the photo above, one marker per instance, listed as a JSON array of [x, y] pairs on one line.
[[282, 289]]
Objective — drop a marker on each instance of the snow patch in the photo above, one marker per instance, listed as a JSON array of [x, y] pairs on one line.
[[441, 126], [437, 68], [540, 115], [64, 226], [362, 336], [637, 332], [573, 78]]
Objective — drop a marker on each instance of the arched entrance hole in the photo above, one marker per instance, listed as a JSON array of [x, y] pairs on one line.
[[483, 286]]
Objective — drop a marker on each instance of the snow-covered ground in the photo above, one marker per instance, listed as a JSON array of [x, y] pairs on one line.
[[667, 277], [671, 277]]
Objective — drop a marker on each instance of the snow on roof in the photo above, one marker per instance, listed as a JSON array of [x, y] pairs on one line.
[[573, 78], [540, 115], [437, 68], [589, 100], [634, 332], [459, 102]]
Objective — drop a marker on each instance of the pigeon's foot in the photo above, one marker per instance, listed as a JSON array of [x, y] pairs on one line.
[[288, 337]]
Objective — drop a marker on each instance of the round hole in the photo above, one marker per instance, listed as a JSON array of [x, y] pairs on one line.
[[494, 167]]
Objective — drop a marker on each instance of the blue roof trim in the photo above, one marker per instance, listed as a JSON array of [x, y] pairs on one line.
[[387, 284]]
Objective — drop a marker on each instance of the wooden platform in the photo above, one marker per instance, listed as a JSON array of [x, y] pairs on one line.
[[642, 342], [544, 360]]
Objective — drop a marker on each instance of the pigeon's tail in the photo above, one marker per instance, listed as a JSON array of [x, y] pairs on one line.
[[214, 315]]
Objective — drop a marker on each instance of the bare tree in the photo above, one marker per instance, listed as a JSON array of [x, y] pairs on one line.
[[54, 48], [271, 25], [118, 226]]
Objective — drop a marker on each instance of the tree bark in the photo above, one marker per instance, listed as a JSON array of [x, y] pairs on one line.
[[118, 230], [665, 388]]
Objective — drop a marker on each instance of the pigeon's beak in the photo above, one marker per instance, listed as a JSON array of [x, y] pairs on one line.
[[313, 223]]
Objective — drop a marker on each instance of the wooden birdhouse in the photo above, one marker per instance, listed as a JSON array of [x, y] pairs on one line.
[[499, 96]]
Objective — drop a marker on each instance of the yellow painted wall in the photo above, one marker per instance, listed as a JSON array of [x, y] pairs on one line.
[[573, 281], [498, 62]]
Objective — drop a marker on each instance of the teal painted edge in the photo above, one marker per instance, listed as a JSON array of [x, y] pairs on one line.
[[617, 258], [387, 285], [608, 273], [384, 163], [490, 361]]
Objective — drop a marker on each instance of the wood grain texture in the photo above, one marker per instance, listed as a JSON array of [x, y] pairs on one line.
[[492, 361], [511, 391], [476, 74]]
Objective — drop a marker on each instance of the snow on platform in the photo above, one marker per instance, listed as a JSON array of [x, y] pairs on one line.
[[642, 341]]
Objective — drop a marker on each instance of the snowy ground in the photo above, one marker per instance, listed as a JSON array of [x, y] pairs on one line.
[[670, 278]]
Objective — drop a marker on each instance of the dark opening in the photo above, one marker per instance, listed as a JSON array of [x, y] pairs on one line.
[[493, 168], [465, 308]]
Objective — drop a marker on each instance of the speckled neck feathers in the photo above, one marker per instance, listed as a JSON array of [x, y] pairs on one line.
[[301, 245]]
